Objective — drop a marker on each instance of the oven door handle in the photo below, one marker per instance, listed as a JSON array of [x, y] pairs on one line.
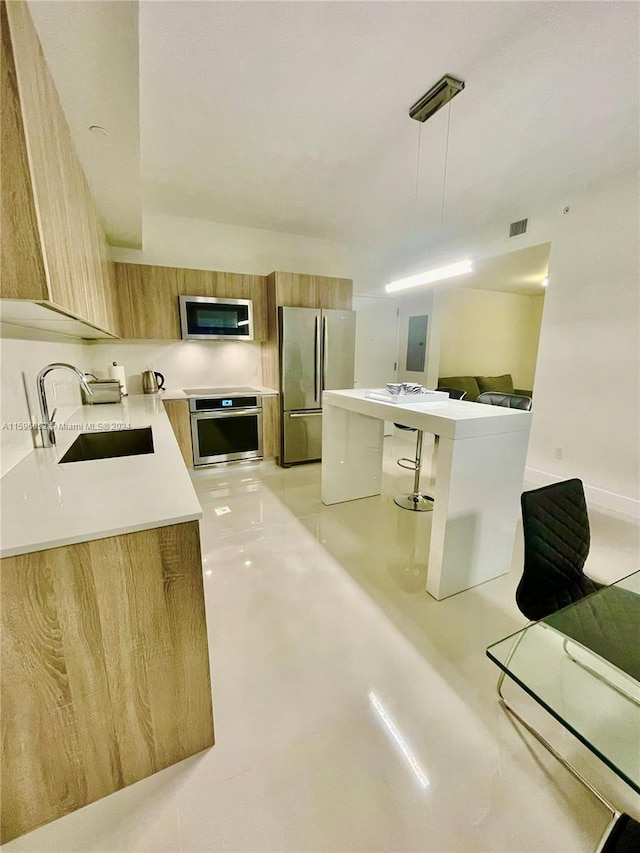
[[229, 413], [225, 413]]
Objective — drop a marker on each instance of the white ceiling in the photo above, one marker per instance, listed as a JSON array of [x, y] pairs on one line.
[[518, 272], [92, 51], [293, 116]]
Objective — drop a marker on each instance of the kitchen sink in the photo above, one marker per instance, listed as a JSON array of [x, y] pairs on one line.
[[107, 445]]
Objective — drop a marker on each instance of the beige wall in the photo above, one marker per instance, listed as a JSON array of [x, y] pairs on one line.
[[487, 333]]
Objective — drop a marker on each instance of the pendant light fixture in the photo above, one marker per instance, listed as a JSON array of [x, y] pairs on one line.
[[439, 94]]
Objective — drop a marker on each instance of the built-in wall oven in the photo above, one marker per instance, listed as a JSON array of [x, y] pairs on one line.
[[226, 426]]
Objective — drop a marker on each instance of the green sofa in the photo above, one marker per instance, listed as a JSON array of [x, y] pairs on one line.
[[475, 385]]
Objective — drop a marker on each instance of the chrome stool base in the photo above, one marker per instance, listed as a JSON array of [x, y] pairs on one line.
[[414, 502]]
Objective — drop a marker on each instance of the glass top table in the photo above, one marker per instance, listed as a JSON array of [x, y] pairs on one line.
[[582, 664]]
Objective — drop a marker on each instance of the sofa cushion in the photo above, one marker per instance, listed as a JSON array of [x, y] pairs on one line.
[[503, 384], [462, 383]]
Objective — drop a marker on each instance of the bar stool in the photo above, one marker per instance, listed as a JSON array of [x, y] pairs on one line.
[[416, 501]]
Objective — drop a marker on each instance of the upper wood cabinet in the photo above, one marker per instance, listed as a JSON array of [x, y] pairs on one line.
[[22, 274], [311, 291], [140, 285], [334, 292], [229, 285], [54, 248], [148, 301]]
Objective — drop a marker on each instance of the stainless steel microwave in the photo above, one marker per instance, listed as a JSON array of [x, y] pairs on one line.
[[208, 318]]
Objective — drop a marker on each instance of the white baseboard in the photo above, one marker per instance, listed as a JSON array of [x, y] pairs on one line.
[[598, 497]]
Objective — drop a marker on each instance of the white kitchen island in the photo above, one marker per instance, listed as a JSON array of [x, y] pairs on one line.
[[479, 471]]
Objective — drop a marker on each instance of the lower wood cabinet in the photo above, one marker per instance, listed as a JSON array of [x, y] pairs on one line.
[[105, 669], [180, 418], [270, 427]]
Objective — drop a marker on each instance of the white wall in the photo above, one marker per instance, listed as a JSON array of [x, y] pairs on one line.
[[487, 333], [199, 244], [20, 362], [184, 364], [410, 306], [588, 369]]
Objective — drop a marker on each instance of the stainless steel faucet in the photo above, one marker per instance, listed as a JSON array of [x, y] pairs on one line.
[[46, 426]]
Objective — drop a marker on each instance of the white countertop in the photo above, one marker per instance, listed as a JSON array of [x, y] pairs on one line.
[[46, 505], [178, 394], [451, 419]]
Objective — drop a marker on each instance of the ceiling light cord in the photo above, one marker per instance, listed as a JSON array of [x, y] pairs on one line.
[[446, 160], [418, 167]]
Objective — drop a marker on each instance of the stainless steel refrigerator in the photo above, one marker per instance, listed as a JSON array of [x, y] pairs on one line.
[[317, 352]]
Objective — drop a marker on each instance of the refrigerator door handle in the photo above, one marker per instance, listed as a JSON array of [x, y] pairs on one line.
[[304, 414], [325, 350], [316, 362]]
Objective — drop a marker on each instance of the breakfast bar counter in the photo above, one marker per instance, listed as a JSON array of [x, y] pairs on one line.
[[480, 461]]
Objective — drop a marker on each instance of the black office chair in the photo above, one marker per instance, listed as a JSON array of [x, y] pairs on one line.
[[556, 544], [623, 836], [454, 393], [510, 401]]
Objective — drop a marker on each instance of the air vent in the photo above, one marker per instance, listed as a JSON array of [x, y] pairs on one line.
[[518, 227]]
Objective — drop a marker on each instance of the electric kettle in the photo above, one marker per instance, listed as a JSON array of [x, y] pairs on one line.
[[152, 382]]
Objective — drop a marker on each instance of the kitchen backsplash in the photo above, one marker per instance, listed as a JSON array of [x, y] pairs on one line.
[[22, 360], [184, 364]]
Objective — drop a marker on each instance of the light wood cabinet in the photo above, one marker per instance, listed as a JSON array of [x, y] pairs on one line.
[[334, 293], [138, 283], [311, 291], [271, 427], [229, 285], [298, 291], [22, 274], [68, 245], [148, 299], [180, 419], [105, 669]]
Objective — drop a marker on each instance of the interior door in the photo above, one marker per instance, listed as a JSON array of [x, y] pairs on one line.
[[376, 341], [338, 348], [300, 331]]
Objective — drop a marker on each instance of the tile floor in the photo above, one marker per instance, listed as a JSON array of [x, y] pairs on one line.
[[353, 712]]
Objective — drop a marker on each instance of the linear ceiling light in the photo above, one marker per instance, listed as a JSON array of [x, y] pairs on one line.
[[437, 274], [437, 96]]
